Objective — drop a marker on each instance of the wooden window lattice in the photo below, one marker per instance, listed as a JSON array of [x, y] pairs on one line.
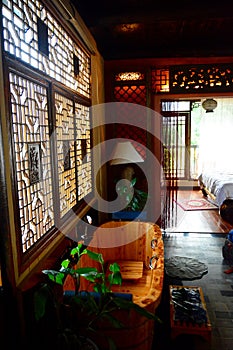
[[83, 165], [30, 125], [66, 62], [65, 132], [160, 80], [73, 127], [26, 25]]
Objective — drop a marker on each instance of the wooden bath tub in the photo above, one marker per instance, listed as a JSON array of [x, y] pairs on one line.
[[135, 245]]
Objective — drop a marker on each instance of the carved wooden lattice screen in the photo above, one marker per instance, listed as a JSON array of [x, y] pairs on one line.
[[83, 150], [186, 79], [72, 127], [31, 139], [65, 152], [22, 33], [50, 131]]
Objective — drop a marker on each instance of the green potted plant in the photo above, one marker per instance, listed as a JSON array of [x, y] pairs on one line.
[[79, 314], [133, 200], [51, 302]]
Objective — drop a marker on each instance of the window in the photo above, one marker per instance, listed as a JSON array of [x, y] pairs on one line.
[[49, 119], [179, 139]]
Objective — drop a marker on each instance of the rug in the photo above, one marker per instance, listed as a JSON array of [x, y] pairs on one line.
[[185, 268], [195, 204]]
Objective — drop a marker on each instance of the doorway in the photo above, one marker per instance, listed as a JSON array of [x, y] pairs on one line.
[[180, 135], [182, 132]]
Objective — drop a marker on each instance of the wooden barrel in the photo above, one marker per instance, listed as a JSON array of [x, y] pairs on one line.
[[138, 334], [144, 241]]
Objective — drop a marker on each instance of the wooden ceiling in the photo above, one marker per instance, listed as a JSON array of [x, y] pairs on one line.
[[153, 28]]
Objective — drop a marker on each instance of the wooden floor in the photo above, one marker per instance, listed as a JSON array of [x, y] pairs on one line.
[[206, 221]]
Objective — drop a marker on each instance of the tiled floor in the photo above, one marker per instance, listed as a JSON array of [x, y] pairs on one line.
[[217, 288]]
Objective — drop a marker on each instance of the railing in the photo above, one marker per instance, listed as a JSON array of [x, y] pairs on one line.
[[181, 162]]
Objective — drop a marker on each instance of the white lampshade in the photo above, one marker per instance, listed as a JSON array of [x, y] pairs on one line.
[[125, 153]]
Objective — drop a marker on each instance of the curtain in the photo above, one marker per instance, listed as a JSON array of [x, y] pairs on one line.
[[170, 139], [216, 138]]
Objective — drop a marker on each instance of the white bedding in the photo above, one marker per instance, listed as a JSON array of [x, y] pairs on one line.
[[220, 184]]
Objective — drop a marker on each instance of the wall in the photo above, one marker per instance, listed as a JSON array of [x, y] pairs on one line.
[[15, 280]]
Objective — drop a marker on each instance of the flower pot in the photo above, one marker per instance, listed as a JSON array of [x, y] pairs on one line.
[[67, 340], [129, 215]]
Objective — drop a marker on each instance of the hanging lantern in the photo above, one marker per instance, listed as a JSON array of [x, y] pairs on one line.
[[209, 105]]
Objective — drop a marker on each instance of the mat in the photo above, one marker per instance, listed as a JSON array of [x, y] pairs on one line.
[[195, 204]]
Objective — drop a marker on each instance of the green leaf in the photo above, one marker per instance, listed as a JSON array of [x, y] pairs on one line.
[[41, 297], [95, 256], [65, 263], [133, 182], [101, 288], [55, 276], [113, 320], [114, 267], [87, 301], [115, 278], [142, 194], [128, 305], [93, 276], [86, 271], [39, 307], [78, 250]]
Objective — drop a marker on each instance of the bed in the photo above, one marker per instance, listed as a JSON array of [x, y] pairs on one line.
[[218, 186]]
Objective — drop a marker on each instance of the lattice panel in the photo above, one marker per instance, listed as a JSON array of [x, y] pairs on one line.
[[30, 128], [174, 151], [84, 168], [20, 34], [160, 80], [65, 150], [205, 78], [131, 94], [129, 76], [130, 114]]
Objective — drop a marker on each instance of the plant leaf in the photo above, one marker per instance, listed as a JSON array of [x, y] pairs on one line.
[[78, 250], [41, 297], [95, 256], [65, 263], [114, 267], [115, 278], [133, 182], [55, 276], [86, 270], [128, 305]]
